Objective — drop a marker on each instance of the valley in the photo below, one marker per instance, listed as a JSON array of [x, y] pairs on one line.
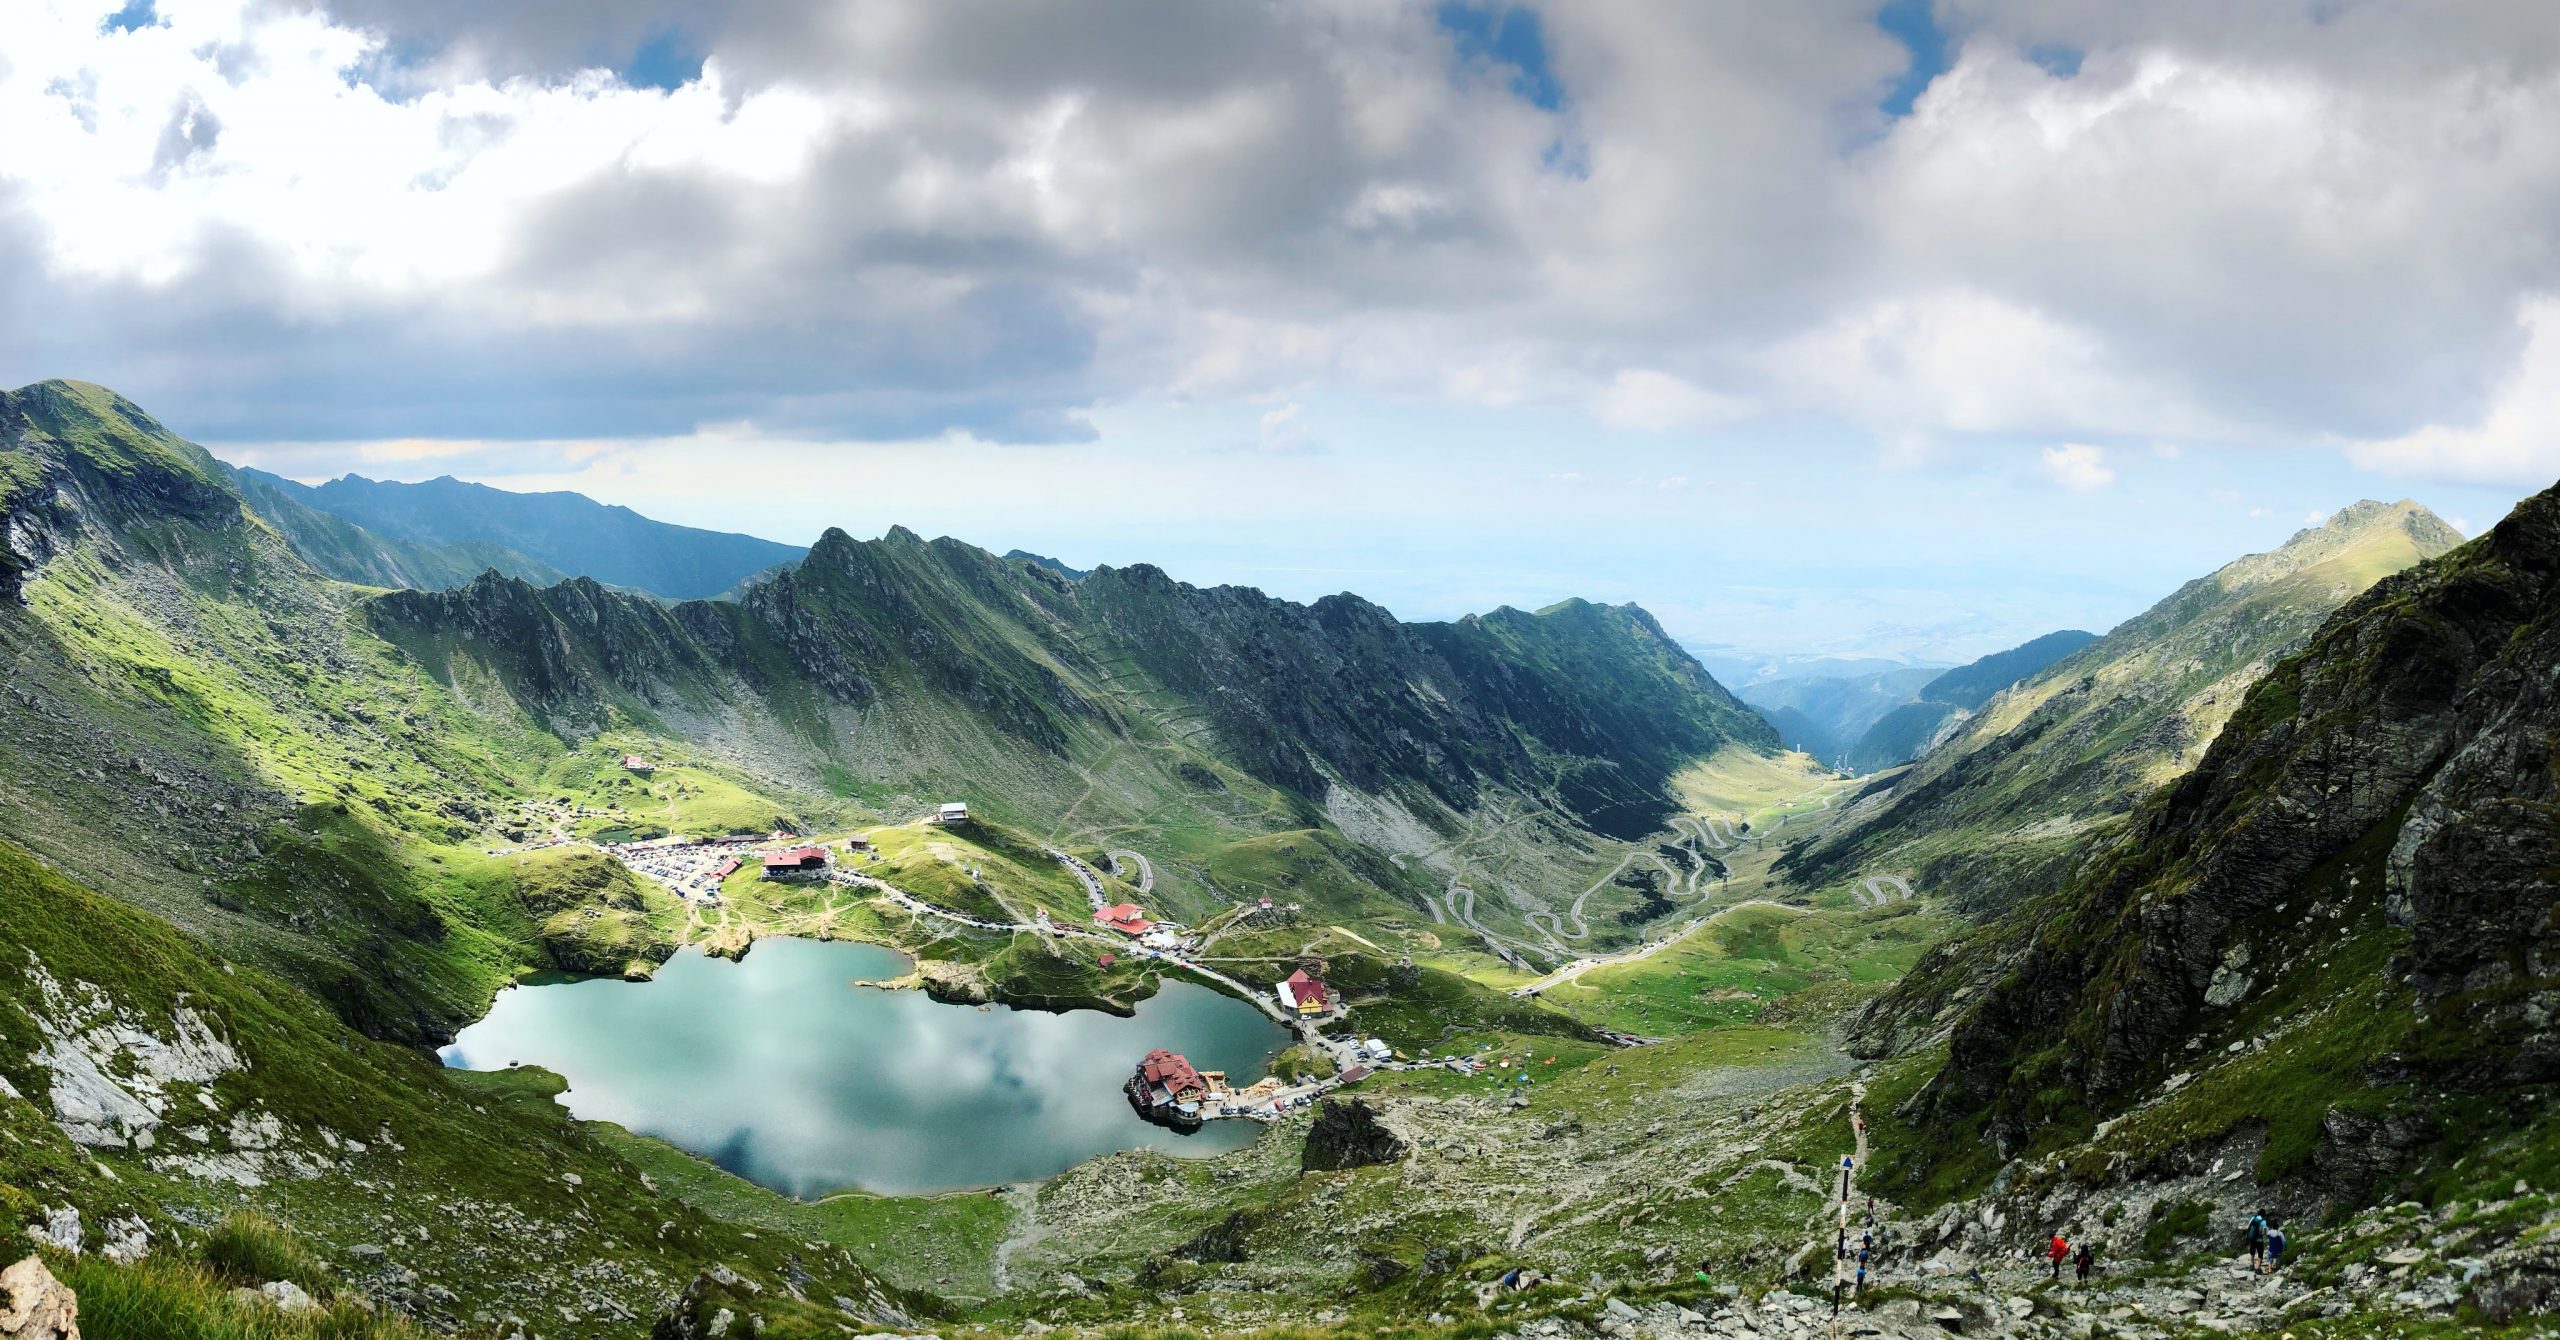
[[2203, 918]]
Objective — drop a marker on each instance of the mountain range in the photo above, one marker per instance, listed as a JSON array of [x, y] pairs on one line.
[[445, 527], [2241, 907]]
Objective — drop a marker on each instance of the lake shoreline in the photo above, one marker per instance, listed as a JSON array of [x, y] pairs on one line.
[[767, 1067]]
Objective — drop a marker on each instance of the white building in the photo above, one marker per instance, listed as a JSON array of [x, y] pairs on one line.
[[953, 813]]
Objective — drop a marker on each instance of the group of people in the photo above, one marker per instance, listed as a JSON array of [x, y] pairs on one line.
[[2084, 1260], [2266, 1251], [2266, 1245]]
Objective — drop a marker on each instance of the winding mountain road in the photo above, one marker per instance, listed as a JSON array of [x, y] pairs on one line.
[[1122, 859], [1084, 875], [1878, 890], [1649, 948]]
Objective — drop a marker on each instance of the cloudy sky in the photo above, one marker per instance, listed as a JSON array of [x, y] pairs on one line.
[[1914, 329]]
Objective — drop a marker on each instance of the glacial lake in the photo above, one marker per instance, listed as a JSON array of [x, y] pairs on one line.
[[786, 1070]]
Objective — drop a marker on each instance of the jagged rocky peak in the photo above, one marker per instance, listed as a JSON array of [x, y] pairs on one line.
[[2398, 533]]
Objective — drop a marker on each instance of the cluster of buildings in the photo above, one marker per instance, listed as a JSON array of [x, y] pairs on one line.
[[1169, 1092], [690, 869], [1129, 921]]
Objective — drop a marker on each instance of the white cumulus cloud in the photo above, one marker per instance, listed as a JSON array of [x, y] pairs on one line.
[[2079, 467]]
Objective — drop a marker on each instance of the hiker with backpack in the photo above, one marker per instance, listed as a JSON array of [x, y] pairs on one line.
[[2275, 1249], [2054, 1253], [2085, 1261], [2257, 1242]]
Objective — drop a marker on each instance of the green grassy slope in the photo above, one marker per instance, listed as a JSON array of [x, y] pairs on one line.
[[211, 1088], [2058, 761], [2327, 930]]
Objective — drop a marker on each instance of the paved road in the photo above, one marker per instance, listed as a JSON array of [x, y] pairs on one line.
[[1648, 949], [1084, 875], [1878, 890], [1121, 860]]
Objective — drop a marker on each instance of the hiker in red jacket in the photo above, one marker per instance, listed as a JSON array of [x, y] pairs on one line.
[[2055, 1252]]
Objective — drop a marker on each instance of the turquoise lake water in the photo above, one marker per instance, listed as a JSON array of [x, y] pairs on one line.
[[784, 1069]]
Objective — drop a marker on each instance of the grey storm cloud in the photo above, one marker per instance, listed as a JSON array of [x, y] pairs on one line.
[[2303, 220]]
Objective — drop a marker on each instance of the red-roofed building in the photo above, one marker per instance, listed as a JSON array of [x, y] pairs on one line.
[[1304, 994], [1108, 959], [1167, 1089], [1124, 918], [797, 861], [725, 868], [635, 763]]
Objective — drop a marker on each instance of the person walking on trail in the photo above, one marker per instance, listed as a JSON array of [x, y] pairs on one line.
[[1703, 1278], [2054, 1252], [2257, 1241], [2085, 1261], [2275, 1249]]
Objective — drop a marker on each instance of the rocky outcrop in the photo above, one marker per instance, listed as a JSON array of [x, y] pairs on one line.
[[107, 1070], [1348, 1134], [2431, 697], [36, 1306], [704, 1311], [1221, 1243]]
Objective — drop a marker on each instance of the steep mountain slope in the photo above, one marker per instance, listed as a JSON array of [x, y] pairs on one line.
[[339, 548], [916, 655], [1908, 731], [198, 721], [2005, 805], [319, 772], [2337, 929], [148, 1089], [566, 532]]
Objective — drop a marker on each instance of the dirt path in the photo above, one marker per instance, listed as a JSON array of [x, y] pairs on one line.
[[1026, 1231], [1843, 1262]]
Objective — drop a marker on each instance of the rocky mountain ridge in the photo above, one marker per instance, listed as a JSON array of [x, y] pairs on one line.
[[2056, 763], [2352, 894]]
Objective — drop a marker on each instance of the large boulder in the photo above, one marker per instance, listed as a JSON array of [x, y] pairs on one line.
[[1348, 1134], [36, 1306]]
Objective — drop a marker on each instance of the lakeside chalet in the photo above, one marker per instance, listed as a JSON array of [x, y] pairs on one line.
[[1167, 1091]]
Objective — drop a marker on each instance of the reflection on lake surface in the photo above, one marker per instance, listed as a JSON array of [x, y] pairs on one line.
[[782, 1070]]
